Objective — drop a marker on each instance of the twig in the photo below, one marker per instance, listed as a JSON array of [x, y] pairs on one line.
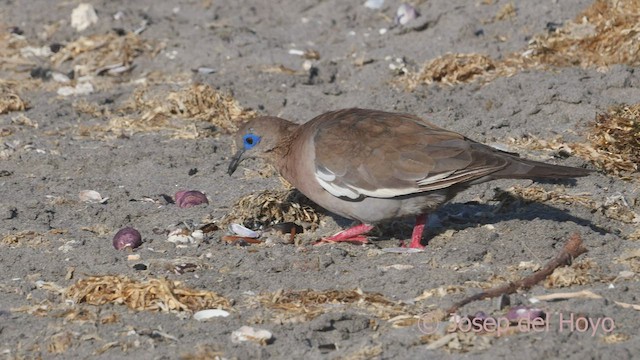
[[584, 294], [571, 250]]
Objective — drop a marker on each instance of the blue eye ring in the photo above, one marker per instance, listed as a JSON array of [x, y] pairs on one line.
[[250, 140]]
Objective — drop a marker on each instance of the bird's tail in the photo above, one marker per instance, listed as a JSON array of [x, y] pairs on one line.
[[530, 169]]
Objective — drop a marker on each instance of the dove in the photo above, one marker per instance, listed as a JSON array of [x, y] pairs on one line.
[[372, 166]]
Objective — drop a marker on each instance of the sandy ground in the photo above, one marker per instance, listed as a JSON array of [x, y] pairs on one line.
[[133, 152]]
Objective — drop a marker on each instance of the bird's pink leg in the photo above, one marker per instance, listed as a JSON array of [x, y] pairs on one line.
[[418, 229], [352, 235]]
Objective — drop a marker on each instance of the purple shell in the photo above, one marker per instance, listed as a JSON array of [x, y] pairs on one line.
[[127, 238], [189, 198]]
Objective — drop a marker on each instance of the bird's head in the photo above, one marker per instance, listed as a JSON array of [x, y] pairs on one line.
[[259, 138]]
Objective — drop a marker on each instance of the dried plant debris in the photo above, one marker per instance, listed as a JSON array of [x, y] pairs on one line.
[[11, 54], [165, 111], [616, 134], [604, 34], [506, 12], [60, 342], [363, 353], [631, 259], [204, 352], [25, 238], [614, 142], [169, 111], [74, 67], [151, 294], [615, 207], [272, 207], [296, 305], [457, 342], [452, 69], [615, 338], [579, 273], [97, 54], [571, 250], [11, 102]]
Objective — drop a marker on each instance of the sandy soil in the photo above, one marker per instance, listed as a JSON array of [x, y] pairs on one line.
[[133, 152]]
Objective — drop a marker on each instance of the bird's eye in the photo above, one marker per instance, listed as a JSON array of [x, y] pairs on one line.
[[250, 140]]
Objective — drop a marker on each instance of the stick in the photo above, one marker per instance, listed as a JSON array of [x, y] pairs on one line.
[[571, 250]]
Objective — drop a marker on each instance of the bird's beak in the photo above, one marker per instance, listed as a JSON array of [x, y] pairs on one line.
[[235, 161]]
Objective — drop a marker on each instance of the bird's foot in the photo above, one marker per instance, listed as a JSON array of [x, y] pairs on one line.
[[351, 235], [416, 235]]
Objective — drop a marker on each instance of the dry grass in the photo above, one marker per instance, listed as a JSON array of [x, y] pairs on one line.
[[579, 273], [308, 304], [105, 60], [604, 34], [616, 137], [87, 55], [187, 113], [10, 99], [11, 102], [196, 102], [614, 142], [150, 295], [25, 238], [272, 207]]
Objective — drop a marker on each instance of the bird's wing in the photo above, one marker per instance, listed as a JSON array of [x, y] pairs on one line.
[[372, 153]]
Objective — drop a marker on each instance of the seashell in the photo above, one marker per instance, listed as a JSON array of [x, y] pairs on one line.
[[197, 235], [401, 250], [82, 88], [189, 198], [83, 16], [405, 14], [374, 4], [210, 313], [180, 239], [518, 313], [114, 69], [60, 77], [243, 231], [247, 333], [203, 70], [92, 196], [127, 237], [296, 52], [133, 257]]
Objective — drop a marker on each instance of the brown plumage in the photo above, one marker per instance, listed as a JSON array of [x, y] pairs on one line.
[[372, 165]]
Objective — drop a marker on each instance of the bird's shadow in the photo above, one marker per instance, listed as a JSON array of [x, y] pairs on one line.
[[471, 214]]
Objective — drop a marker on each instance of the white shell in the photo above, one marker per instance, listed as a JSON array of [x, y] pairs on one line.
[[243, 231], [180, 239], [197, 235], [296, 52], [405, 14], [374, 4], [247, 333], [60, 77], [401, 250], [92, 196], [83, 16], [210, 313]]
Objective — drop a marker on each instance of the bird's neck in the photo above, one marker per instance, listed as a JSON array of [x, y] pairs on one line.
[[284, 153]]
